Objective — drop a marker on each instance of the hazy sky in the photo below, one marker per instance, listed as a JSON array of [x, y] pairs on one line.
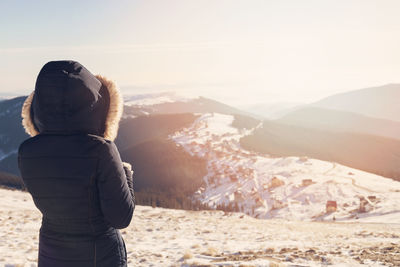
[[236, 51]]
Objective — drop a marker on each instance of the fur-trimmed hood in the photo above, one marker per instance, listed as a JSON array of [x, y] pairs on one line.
[[68, 99]]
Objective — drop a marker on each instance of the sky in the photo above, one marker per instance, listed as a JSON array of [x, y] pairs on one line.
[[236, 51]]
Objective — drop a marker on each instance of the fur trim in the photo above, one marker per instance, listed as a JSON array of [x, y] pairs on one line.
[[115, 110], [113, 116], [27, 121]]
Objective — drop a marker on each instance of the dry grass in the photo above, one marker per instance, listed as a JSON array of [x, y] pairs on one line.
[[197, 264], [195, 246], [187, 255], [211, 251]]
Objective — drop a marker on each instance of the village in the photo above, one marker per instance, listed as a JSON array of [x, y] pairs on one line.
[[266, 187]]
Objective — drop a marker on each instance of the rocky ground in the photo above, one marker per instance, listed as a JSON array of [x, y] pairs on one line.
[[163, 237]]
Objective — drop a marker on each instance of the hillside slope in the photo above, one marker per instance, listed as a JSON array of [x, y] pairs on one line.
[[133, 131], [164, 174], [366, 152], [166, 237], [11, 133], [178, 105], [267, 187], [341, 121], [379, 102]]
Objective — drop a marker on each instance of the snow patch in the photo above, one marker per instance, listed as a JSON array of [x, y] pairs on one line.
[[155, 98]]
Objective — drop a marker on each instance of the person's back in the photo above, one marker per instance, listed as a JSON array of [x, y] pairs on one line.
[[73, 169]]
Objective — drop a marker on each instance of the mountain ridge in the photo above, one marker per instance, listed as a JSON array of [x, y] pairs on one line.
[[341, 121], [379, 101]]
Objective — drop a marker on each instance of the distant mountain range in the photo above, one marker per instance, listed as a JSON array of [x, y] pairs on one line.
[[377, 102], [373, 111], [341, 121], [193, 105], [271, 111], [169, 172]]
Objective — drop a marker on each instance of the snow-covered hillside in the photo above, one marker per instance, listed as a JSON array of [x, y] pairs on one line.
[[155, 98], [166, 237], [295, 188]]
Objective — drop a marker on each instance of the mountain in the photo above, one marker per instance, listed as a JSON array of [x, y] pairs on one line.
[[271, 111], [379, 102], [145, 117], [10, 120], [198, 153], [164, 174], [135, 130], [164, 105], [149, 99], [366, 152], [341, 121], [7, 95], [11, 133]]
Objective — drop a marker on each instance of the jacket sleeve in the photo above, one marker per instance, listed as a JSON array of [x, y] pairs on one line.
[[116, 196], [129, 178]]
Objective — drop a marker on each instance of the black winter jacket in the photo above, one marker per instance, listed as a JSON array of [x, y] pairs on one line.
[[73, 169]]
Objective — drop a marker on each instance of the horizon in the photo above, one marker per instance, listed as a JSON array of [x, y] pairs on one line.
[[236, 52], [127, 92]]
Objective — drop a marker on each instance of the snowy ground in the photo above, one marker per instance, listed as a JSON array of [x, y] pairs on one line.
[[164, 237], [293, 188]]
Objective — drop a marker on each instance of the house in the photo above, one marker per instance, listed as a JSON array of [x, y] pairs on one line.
[[233, 178], [367, 204], [303, 159], [259, 202], [278, 204], [363, 204], [238, 196], [276, 182], [306, 182], [331, 206]]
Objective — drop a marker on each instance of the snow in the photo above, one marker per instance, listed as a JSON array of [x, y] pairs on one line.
[[266, 187], [154, 99], [166, 237]]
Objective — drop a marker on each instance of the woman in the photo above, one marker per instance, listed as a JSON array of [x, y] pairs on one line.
[[73, 169]]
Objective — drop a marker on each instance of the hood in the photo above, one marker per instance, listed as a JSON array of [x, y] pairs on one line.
[[69, 99]]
